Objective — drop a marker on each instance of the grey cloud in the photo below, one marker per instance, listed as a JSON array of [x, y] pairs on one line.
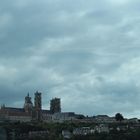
[[87, 53]]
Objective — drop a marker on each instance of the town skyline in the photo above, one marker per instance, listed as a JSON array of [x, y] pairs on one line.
[[59, 108]]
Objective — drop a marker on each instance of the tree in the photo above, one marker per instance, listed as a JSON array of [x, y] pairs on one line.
[[119, 117]]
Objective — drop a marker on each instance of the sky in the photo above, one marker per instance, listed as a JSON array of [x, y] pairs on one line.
[[86, 52]]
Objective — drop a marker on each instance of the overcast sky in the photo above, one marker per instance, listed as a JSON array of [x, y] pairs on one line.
[[87, 52]]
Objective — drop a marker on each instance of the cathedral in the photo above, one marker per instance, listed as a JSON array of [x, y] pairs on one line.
[[29, 112], [34, 112]]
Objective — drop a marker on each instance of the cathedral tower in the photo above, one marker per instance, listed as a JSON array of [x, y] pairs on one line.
[[38, 105], [55, 105], [28, 105]]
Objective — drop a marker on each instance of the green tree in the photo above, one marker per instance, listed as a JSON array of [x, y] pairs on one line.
[[119, 117]]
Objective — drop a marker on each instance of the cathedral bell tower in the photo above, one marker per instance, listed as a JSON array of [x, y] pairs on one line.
[[38, 106], [28, 105]]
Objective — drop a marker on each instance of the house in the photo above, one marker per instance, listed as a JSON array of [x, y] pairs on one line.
[[133, 120], [102, 128], [104, 119], [63, 116], [66, 134], [83, 131]]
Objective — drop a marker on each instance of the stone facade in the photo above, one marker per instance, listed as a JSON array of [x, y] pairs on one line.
[[34, 112], [55, 105], [38, 105], [25, 114], [31, 112]]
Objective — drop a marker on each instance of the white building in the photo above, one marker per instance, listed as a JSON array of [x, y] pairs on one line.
[[64, 116]]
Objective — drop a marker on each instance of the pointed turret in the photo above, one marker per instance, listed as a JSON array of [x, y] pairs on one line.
[[28, 105]]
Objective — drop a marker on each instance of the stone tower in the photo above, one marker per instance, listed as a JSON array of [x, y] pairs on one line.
[[28, 105], [37, 105], [55, 105]]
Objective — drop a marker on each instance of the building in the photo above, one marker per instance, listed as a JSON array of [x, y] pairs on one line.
[[28, 105], [102, 128], [55, 105], [66, 134], [104, 119], [46, 115], [38, 105], [25, 114], [83, 131], [63, 116], [34, 112], [14, 114]]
